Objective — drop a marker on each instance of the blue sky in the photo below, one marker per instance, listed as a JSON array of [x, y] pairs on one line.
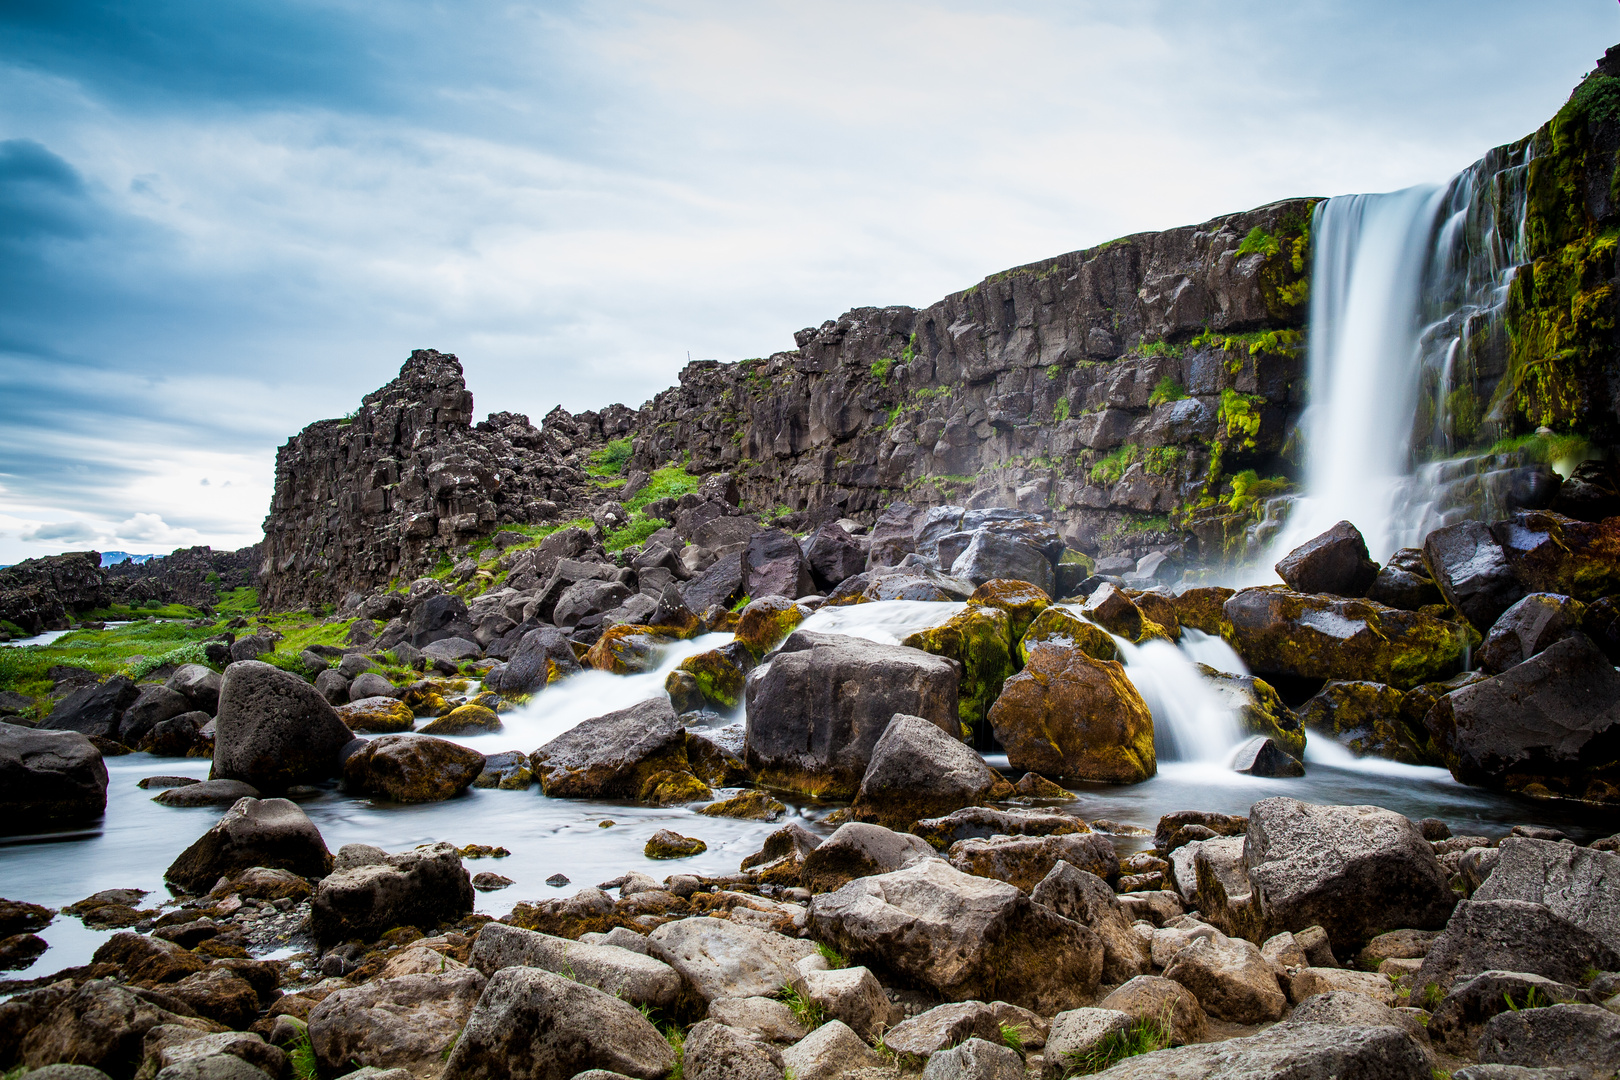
[[220, 222]]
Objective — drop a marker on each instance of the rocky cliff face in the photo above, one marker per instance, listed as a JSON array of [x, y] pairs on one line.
[[1109, 387], [192, 576], [45, 594], [388, 491]]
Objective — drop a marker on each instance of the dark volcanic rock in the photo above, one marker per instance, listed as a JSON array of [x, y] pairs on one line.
[[1335, 562], [94, 710], [50, 776], [919, 771], [1472, 571], [1512, 935], [421, 887], [44, 594], [623, 755], [1528, 627], [274, 729], [439, 618], [774, 565], [412, 768], [154, 705], [254, 832]]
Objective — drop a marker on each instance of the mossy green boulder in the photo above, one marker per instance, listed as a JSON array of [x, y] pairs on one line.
[[1060, 628], [1160, 608], [750, 805], [707, 679], [1367, 717], [1067, 715], [378, 715], [465, 720], [980, 639], [1019, 599], [1259, 708], [1200, 608], [765, 623], [626, 649], [666, 844], [1280, 632]]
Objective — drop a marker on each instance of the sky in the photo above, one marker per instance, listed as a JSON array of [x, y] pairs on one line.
[[222, 222]]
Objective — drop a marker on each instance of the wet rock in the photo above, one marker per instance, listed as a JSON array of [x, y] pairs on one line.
[[717, 958], [1170, 825], [369, 684], [1528, 627], [382, 715], [830, 1052], [781, 859], [1579, 885], [919, 771], [438, 618], [265, 883], [1060, 628], [714, 1051], [50, 775], [219, 995], [1472, 571], [766, 622], [542, 656], [1284, 633], [1260, 756], [1586, 1037], [668, 844], [200, 685], [179, 736], [421, 887], [254, 832], [101, 1025], [1538, 726], [1512, 935], [411, 768], [988, 821], [18, 951], [1230, 979], [860, 849], [980, 639], [1367, 717], [1155, 999], [1067, 715], [628, 754], [274, 730], [1457, 1022], [508, 771], [711, 680], [994, 554], [815, 714], [1023, 861], [1087, 899], [208, 793], [1405, 582], [333, 687], [747, 805], [93, 710], [1112, 610], [961, 936], [18, 917], [154, 705], [634, 977], [1356, 871], [833, 555], [488, 882], [1552, 553], [1335, 562]]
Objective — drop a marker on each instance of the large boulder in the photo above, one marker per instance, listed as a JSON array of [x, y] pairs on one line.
[[439, 618], [718, 586], [95, 709], [585, 598], [774, 565], [963, 937], [1059, 628], [1512, 935], [1163, 1002], [817, 711], [411, 768], [1355, 871], [1023, 861], [1528, 627], [849, 994], [987, 821], [999, 554], [1280, 632], [1455, 1024], [1472, 571], [831, 1052], [1547, 726], [1288, 1051], [1230, 979], [634, 753], [1335, 562], [919, 771], [833, 555], [633, 976], [718, 958], [1087, 899], [50, 775], [1067, 715], [103, 1025], [1367, 717], [154, 705], [1259, 709], [894, 534], [1580, 885], [406, 1022], [274, 729], [766, 622], [533, 1025], [1553, 553], [273, 833], [980, 640], [856, 849], [200, 685], [421, 887], [1405, 582], [542, 656], [1576, 1037]]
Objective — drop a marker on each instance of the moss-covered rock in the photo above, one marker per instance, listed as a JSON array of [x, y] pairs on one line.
[[1279, 632], [1019, 599], [1161, 609], [626, 649], [425, 700], [465, 720], [508, 771], [411, 768], [379, 715], [980, 639], [751, 805], [673, 787], [1200, 608], [1550, 553], [707, 679], [1415, 706], [1260, 709], [1060, 628], [765, 623], [666, 844], [1110, 608], [714, 764], [1071, 716], [1035, 786], [1368, 718]]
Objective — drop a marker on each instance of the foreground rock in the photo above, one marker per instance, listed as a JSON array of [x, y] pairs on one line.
[[717, 958], [412, 768], [1088, 900], [1512, 935], [1067, 715], [272, 833], [919, 771], [1288, 1051], [815, 716], [1578, 885], [632, 976], [859, 849], [1355, 871], [964, 937], [533, 1025], [407, 1022], [274, 729], [50, 775], [102, 1025], [1023, 861], [421, 887], [1581, 1037]]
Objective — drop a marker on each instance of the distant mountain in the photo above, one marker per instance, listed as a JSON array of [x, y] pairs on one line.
[[112, 558]]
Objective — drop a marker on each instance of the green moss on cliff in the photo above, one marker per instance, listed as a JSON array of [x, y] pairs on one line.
[[1113, 466], [1240, 417]]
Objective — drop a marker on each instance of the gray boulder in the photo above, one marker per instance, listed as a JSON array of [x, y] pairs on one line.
[[942, 1027], [993, 554], [632, 976], [1579, 885], [199, 684], [333, 687], [859, 849], [274, 729], [539, 653], [1472, 571], [616, 755], [103, 1025], [533, 1025], [1023, 861], [405, 1022], [50, 775], [1079, 1036], [591, 597], [369, 684], [1335, 562], [717, 958], [1087, 899], [975, 1059], [1457, 1022], [207, 793], [1288, 1051], [765, 1017], [833, 555], [93, 710], [251, 647], [437, 618], [1345, 1008], [816, 712], [1404, 582], [718, 586], [1528, 627], [831, 1052], [961, 936], [1355, 871], [1512, 935], [894, 534], [273, 833], [1230, 979], [774, 565], [421, 887], [154, 705], [411, 768], [919, 771], [1584, 1037], [716, 1051]]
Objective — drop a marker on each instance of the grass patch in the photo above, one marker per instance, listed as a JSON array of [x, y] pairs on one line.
[[634, 533], [150, 609], [834, 958], [238, 602], [1113, 466], [1248, 488], [1012, 1037], [1141, 1037], [302, 1057], [1163, 460], [807, 1012], [1060, 411], [1168, 389], [610, 460], [105, 652], [880, 369], [670, 482], [1159, 349], [1545, 449]]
